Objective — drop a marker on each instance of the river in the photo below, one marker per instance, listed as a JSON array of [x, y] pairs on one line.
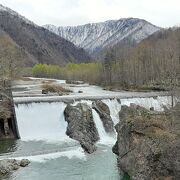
[[52, 153]]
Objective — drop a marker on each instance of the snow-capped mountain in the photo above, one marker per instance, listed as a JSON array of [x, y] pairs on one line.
[[97, 36]]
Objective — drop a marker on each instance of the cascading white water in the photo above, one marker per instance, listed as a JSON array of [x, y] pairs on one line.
[[157, 103], [104, 137], [42, 127], [42, 121], [99, 124], [114, 107], [45, 121]]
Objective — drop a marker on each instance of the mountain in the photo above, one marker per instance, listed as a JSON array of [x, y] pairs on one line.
[[39, 43], [97, 36]]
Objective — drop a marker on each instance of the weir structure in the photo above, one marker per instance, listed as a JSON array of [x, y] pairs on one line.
[[8, 121]]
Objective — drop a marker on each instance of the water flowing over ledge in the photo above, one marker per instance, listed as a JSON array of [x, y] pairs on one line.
[[42, 128], [73, 98]]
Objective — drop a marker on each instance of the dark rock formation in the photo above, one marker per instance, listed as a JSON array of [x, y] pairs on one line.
[[24, 162], [148, 143], [9, 165], [44, 91], [8, 124], [81, 126], [103, 110], [80, 91]]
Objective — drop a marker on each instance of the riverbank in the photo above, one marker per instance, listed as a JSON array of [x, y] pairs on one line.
[[8, 166], [148, 143], [44, 125]]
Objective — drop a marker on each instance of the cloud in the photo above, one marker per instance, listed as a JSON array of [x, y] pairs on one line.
[[74, 12]]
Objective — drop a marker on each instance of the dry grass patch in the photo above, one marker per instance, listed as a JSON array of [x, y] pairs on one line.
[[24, 79], [53, 88]]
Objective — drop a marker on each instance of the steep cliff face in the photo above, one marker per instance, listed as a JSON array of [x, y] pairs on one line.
[[148, 143], [97, 36], [43, 45]]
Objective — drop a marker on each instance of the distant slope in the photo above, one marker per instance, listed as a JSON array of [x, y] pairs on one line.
[[98, 36], [8, 44], [43, 45]]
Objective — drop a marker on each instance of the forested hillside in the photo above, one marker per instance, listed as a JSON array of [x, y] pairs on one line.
[[152, 64], [155, 60], [12, 57], [43, 45]]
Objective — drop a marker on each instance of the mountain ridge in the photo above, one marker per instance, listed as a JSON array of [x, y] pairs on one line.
[[94, 37], [43, 45]]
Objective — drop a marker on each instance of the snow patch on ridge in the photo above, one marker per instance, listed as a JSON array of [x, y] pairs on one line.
[[100, 35]]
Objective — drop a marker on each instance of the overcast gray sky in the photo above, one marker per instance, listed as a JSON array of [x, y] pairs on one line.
[[163, 13]]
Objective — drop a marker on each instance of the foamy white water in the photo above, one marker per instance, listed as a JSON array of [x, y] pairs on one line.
[[42, 158], [42, 121], [114, 107], [105, 138], [157, 103]]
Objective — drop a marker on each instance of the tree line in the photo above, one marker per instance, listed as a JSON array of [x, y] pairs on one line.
[[89, 72], [154, 63]]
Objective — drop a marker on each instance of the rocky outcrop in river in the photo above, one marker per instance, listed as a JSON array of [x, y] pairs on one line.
[[148, 143], [103, 110], [81, 126], [9, 165]]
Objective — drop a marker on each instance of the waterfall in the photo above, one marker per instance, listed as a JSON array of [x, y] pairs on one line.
[[114, 107], [105, 138], [45, 121], [156, 102], [42, 121]]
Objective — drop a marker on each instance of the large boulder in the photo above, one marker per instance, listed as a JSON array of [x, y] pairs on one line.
[[7, 166], [103, 110], [81, 126], [148, 143]]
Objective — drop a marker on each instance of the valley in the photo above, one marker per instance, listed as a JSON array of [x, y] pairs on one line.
[[89, 96], [42, 129]]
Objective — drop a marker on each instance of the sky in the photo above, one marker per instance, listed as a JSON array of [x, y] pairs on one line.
[[164, 13]]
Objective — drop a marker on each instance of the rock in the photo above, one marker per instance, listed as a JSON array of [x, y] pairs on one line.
[[81, 126], [103, 110], [148, 144], [24, 162], [80, 91], [44, 91], [119, 101], [7, 166], [6, 127]]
